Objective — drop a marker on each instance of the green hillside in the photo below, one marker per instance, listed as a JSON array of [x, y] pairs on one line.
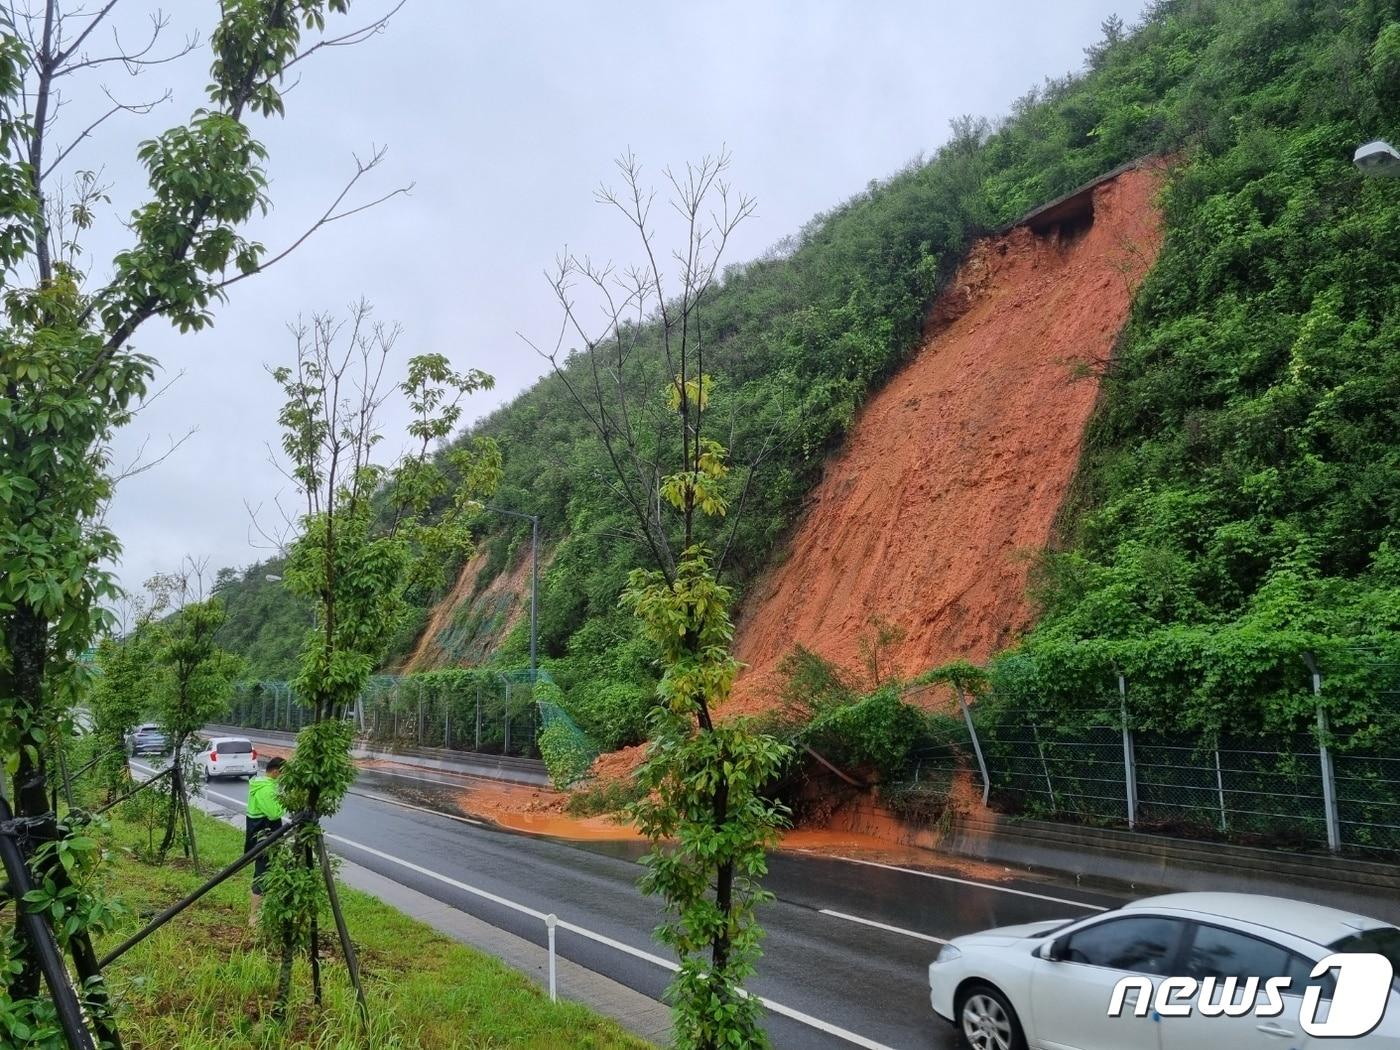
[[1241, 475]]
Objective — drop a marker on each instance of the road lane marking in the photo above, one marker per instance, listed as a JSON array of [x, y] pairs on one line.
[[421, 809], [963, 882], [447, 773], [778, 1008], [603, 939], [881, 925]]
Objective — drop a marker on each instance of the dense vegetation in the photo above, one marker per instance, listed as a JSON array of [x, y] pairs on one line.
[[1241, 490], [1238, 500]]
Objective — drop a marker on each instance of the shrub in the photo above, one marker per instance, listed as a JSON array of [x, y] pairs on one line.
[[876, 732], [613, 713], [566, 753], [614, 796]]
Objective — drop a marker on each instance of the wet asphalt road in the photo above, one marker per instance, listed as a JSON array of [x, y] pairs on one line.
[[868, 981]]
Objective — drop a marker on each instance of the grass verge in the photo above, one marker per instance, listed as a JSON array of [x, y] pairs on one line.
[[201, 983]]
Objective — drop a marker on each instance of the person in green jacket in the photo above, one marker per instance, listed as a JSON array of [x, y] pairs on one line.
[[264, 816]]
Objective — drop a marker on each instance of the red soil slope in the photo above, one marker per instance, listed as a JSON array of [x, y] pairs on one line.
[[955, 470]]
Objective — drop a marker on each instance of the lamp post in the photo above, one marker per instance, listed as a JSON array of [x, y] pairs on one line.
[[534, 521]]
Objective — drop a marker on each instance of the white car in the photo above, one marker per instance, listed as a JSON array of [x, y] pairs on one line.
[[228, 756], [1049, 985]]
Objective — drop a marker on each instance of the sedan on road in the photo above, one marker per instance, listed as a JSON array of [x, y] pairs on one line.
[[147, 739], [228, 756], [1050, 985]]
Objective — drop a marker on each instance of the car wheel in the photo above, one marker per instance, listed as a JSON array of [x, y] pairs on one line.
[[987, 1021]]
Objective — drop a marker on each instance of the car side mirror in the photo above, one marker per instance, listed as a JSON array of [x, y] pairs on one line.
[[1056, 950]]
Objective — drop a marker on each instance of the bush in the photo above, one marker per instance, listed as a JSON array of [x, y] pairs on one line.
[[566, 753], [876, 732], [613, 713], [811, 684], [611, 797]]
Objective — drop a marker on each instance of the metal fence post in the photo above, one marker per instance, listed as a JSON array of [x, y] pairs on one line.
[[976, 745], [1044, 765], [1324, 754], [1220, 788], [1129, 757], [505, 747], [478, 714]]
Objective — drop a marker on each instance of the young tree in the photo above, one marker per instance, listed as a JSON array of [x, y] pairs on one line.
[[192, 688], [121, 694], [68, 375], [367, 534], [704, 810]]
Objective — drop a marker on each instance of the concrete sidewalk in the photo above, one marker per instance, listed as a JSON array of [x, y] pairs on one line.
[[638, 1013]]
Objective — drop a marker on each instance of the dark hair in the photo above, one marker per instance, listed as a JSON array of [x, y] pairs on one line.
[[275, 763]]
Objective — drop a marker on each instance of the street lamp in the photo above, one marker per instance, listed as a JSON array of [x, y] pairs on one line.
[[1378, 159], [534, 521]]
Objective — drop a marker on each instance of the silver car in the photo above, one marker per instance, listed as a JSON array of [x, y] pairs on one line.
[[1154, 975]]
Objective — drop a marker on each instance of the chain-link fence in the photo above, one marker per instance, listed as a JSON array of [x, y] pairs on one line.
[[1291, 791], [1307, 790], [486, 711]]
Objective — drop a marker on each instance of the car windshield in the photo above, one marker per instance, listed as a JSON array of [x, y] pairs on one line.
[[1383, 940], [234, 747]]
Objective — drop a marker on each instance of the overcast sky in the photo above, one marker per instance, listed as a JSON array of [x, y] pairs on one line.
[[505, 116]]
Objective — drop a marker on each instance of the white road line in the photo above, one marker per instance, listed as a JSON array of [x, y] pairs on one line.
[[449, 783], [964, 882], [881, 925], [421, 809], [637, 953], [656, 960]]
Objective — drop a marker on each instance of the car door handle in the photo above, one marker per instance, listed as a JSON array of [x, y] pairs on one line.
[[1273, 1029]]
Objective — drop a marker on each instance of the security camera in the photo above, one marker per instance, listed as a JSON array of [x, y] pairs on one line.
[[1379, 159]]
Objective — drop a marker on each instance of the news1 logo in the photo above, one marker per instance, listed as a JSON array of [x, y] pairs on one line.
[[1360, 991]]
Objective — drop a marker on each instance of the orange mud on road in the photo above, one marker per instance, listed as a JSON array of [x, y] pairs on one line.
[[956, 469]]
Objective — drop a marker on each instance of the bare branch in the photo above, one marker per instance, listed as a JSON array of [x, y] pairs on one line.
[[350, 39], [138, 108], [330, 215], [63, 63], [140, 464]]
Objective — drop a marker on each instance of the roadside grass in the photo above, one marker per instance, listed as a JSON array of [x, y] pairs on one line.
[[202, 983]]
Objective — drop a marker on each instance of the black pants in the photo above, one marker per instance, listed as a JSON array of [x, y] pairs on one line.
[[255, 830]]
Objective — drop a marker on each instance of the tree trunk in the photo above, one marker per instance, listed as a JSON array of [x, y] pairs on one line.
[[177, 794], [26, 639], [284, 979], [724, 882]]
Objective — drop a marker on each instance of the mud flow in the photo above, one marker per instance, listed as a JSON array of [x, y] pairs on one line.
[[955, 470]]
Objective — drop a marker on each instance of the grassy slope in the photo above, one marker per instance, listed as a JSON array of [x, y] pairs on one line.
[[201, 984]]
